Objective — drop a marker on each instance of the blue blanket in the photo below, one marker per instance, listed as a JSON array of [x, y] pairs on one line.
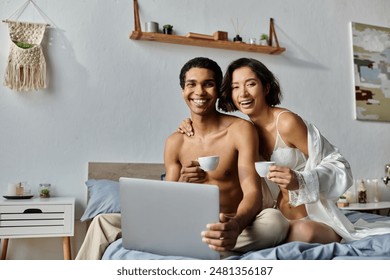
[[372, 247]]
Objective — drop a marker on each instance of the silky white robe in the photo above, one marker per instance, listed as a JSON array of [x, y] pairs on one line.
[[327, 175]]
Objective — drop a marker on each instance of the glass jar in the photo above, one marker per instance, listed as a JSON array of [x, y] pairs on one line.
[[361, 193], [44, 190], [362, 197], [376, 195]]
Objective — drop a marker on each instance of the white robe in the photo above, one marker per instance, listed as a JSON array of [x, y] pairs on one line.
[[327, 175]]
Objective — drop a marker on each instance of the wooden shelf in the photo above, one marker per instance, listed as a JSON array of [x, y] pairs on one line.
[[137, 34], [219, 44]]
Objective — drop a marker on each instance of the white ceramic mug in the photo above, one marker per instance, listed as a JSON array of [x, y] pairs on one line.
[[208, 163], [262, 167]]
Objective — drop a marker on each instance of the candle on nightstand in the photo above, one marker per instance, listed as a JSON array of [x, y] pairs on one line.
[[12, 189], [20, 189]]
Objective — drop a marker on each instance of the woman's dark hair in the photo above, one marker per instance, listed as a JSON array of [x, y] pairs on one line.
[[202, 62], [266, 77]]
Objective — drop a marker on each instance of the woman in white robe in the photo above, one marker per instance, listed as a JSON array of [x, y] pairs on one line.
[[309, 174]]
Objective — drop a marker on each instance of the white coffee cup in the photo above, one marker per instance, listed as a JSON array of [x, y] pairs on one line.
[[262, 167], [208, 163]]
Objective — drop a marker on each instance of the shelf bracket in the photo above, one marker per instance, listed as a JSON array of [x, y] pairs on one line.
[[137, 23], [272, 34]]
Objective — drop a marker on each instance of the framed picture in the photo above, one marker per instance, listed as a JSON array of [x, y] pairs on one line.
[[371, 61]]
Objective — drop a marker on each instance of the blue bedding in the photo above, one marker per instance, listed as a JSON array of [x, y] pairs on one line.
[[372, 247]]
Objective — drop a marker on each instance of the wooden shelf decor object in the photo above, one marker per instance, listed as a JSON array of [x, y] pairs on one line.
[[137, 34]]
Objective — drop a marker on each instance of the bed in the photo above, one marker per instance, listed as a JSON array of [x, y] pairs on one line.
[[103, 197]]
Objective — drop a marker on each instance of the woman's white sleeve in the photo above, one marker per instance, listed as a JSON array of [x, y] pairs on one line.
[[327, 173]]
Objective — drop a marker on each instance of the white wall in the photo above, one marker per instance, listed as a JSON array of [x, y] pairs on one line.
[[114, 99]]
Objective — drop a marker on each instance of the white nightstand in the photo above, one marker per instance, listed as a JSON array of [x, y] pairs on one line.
[[373, 207], [37, 217]]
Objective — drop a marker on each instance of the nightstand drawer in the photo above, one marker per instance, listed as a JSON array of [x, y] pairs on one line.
[[37, 217], [22, 220]]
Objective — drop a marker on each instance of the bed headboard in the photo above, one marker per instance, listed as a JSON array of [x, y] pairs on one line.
[[115, 170]]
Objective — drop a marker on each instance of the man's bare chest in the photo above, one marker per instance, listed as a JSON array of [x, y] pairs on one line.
[[222, 147], [195, 147]]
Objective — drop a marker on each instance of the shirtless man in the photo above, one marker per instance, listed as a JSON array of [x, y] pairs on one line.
[[244, 225]]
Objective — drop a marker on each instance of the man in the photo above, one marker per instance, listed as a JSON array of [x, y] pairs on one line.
[[243, 225]]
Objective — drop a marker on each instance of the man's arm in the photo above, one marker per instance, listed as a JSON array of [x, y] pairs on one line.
[[247, 143], [223, 236], [171, 161]]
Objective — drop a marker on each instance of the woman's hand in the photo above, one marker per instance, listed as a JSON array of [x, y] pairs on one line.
[[284, 177], [185, 127]]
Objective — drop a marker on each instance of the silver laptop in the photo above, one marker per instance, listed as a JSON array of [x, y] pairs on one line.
[[167, 218]]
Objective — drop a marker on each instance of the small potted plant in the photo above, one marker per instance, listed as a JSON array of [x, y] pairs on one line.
[[342, 201], [238, 38], [44, 190], [264, 39], [167, 29]]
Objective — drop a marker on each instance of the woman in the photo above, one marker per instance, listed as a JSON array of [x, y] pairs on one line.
[[309, 175]]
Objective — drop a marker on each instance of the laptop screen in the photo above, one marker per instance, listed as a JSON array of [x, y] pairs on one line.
[[167, 218]]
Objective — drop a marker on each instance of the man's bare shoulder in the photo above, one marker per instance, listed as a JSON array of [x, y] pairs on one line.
[[240, 128], [239, 124], [175, 138]]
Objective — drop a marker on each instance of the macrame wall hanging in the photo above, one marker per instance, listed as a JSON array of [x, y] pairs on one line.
[[26, 68]]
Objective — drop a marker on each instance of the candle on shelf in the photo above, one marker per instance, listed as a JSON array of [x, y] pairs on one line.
[[19, 189], [12, 189]]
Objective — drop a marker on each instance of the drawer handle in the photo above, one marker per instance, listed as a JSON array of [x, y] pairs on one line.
[[32, 210]]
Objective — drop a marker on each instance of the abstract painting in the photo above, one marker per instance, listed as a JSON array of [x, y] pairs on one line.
[[371, 61]]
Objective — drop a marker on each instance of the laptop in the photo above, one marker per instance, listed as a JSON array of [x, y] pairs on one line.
[[167, 218]]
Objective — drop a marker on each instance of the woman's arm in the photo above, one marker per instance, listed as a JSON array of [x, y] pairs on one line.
[[293, 131], [327, 173]]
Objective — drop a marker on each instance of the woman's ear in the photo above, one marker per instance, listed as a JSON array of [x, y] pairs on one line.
[[267, 88]]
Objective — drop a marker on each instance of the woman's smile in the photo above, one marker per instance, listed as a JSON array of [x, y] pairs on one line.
[[246, 103]]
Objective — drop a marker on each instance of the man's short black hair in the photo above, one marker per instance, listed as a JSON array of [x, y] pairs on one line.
[[202, 62]]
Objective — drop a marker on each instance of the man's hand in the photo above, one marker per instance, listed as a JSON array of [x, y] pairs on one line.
[[192, 173], [222, 236]]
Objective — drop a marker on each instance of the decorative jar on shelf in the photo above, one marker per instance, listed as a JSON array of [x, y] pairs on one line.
[[44, 190]]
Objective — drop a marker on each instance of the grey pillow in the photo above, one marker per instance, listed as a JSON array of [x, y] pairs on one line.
[[103, 198]]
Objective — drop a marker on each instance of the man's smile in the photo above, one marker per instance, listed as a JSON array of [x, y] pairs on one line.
[[199, 102]]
